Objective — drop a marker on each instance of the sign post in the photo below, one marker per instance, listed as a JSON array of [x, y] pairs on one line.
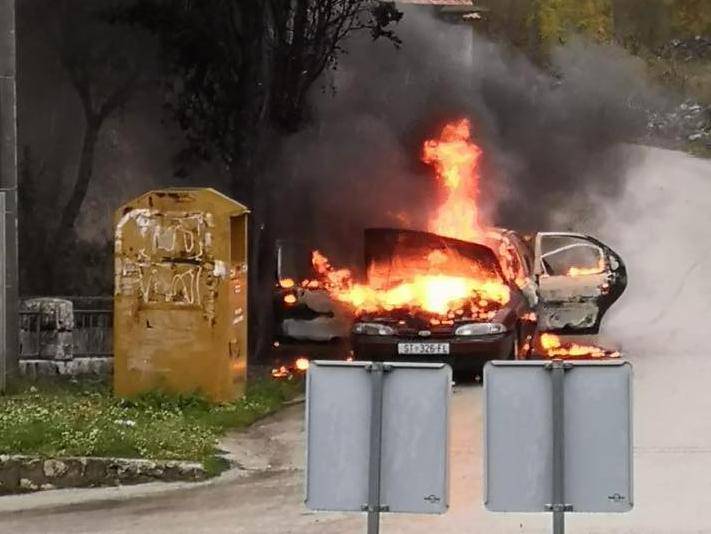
[[377, 370], [558, 507], [377, 438], [558, 437]]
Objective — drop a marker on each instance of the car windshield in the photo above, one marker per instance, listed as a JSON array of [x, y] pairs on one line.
[[395, 256]]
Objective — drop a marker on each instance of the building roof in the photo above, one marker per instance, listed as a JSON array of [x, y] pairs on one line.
[[468, 3]]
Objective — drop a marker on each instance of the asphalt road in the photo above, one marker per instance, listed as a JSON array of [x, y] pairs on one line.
[[659, 225]]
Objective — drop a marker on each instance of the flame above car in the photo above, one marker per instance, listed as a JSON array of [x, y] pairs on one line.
[[455, 158], [423, 272], [446, 275]]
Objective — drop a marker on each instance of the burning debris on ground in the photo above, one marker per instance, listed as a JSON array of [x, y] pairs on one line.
[[554, 347], [291, 371]]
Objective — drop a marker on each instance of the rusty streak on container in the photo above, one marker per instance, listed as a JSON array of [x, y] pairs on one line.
[[180, 306]]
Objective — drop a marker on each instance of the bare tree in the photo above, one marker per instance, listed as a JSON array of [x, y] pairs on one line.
[[242, 67], [104, 64], [306, 38], [242, 71]]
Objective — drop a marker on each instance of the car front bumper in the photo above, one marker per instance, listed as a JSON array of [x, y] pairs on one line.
[[468, 353]]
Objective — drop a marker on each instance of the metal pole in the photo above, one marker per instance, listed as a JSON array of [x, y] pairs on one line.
[[377, 370], [9, 282], [558, 368], [558, 450]]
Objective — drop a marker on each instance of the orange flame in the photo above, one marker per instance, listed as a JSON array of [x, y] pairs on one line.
[[433, 293], [334, 277], [280, 372], [584, 271], [456, 159], [554, 348], [440, 285]]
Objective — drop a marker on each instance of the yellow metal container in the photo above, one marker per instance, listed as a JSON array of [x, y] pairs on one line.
[[180, 294]]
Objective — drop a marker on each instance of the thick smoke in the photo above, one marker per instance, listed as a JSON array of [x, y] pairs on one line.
[[659, 224], [550, 140], [554, 160]]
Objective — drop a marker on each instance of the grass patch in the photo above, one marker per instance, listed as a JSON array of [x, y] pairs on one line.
[[51, 420], [698, 148]]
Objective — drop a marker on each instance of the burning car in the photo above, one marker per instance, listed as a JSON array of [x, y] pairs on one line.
[[466, 303], [463, 292]]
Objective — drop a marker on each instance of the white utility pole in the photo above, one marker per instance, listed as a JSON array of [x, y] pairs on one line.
[[9, 280]]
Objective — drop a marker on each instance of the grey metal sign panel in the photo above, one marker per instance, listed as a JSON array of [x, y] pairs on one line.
[[338, 406], [598, 438], [518, 436], [415, 451], [518, 432], [415, 437]]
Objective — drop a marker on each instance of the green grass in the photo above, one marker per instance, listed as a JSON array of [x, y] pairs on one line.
[[696, 148], [68, 420]]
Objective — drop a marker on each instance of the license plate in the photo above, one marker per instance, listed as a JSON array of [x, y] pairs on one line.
[[423, 348]]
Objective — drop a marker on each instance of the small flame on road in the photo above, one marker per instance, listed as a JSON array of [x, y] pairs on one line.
[[289, 372], [280, 372], [555, 348]]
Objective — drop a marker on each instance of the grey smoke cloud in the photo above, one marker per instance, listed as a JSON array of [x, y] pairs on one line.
[[550, 140]]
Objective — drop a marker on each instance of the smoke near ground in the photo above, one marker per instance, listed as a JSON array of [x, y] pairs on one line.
[[659, 224], [550, 140]]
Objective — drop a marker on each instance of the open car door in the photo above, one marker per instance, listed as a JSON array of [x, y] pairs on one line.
[[311, 314], [579, 278]]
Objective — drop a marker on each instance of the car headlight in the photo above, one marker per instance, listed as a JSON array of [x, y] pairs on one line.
[[373, 329], [480, 329]]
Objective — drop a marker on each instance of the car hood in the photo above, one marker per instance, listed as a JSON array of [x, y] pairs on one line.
[[385, 247]]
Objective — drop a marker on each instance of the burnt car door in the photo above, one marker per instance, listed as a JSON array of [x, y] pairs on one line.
[[303, 310], [579, 278]]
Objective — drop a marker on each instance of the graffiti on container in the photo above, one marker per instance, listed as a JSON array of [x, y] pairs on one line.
[[167, 257]]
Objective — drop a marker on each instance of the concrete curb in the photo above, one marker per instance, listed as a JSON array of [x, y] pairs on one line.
[[296, 400], [27, 473], [243, 467], [80, 497]]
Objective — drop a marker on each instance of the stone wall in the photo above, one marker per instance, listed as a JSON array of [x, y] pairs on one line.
[[20, 474], [57, 340], [46, 326], [89, 367]]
